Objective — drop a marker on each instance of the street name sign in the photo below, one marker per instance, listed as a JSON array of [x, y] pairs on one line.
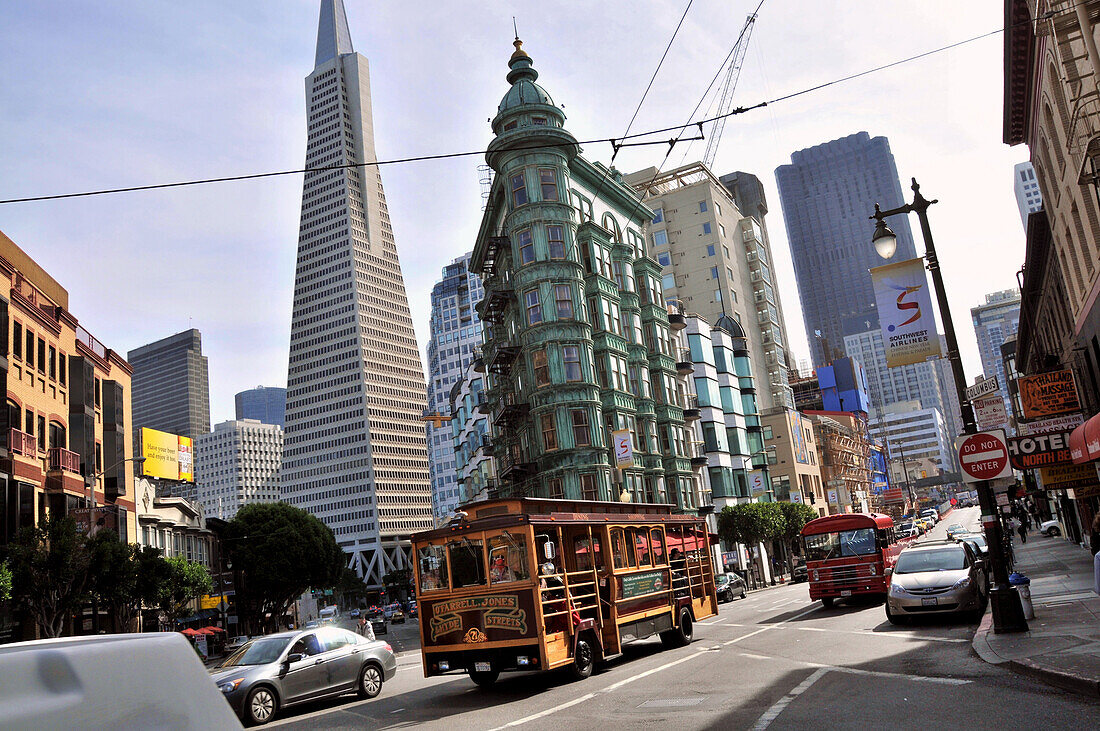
[[982, 388], [984, 456]]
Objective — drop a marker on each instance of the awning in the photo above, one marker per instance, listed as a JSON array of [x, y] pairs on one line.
[[1084, 441]]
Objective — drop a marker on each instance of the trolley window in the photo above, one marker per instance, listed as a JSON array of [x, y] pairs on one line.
[[508, 559], [433, 568], [589, 555], [641, 543], [467, 559], [657, 546], [622, 550]]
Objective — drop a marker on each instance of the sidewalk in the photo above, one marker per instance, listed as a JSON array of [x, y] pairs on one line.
[[1062, 647]]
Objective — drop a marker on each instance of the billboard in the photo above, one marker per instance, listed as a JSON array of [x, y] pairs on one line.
[[905, 313], [167, 456], [798, 437], [1048, 394]]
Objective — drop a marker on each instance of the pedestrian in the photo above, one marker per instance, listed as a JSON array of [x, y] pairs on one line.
[[1026, 516], [1022, 530], [1094, 539]]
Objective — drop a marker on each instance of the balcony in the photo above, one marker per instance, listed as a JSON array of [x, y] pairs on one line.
[[510, 409], [698, 456], [501, 359], [64, 460], [20, 442], [487, 443], [494, 245], [482, 403], [516, 466], [498, 295], [676, 319], [684, 366]]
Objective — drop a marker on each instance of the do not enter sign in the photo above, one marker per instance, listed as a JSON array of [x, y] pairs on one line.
[[984, 456]]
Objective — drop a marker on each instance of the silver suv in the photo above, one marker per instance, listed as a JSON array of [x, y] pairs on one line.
[[935, 578]]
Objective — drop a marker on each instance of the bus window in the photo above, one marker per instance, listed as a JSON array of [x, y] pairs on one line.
[[433, 568], [467, 563], [508, 559], [657, 544], [622, 550], [641, 542]]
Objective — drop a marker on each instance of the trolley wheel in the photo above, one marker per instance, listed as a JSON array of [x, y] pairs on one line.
[[682, 634], [583, 661], [484, 679]]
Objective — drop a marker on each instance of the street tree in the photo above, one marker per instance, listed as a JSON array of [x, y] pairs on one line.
[[796, 515], [125, 576], [49, 566], [183, 581], [5, 582], [398, 583], [751, 523], [281, 551]]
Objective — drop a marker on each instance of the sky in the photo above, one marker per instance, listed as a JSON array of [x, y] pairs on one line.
[[106, 95]]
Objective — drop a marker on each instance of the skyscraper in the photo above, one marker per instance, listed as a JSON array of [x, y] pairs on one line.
[[827, 193], [455, 332], [237, 464], [1028, 197], [354, 450], [994, 323], [171, 386], [266, 404]]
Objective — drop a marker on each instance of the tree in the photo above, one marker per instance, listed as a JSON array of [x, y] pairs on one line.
[[281, 552], [398, 581], [349, 587], [5, 582], [796, 515], [184, 580], [750, 523], [125, 576], [49, 565]]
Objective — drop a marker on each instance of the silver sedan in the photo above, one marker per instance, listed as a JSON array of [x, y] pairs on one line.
[[936, 577], [273, 672]]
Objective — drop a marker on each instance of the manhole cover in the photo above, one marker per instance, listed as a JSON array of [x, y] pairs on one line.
[[671, 703]]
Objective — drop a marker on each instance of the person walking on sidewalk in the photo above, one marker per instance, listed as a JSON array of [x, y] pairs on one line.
[[1094, 540], [1022, 530]]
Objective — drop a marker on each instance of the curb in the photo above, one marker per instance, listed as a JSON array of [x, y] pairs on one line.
[[1057, 678]]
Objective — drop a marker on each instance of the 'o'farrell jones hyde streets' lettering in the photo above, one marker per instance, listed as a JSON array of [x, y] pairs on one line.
[[498, 612]]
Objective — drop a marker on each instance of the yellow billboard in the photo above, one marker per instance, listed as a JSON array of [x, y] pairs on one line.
[[167, 456]]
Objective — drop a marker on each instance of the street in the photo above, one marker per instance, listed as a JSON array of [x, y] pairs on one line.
[[774, 659]]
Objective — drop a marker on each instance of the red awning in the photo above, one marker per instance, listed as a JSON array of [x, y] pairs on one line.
[[1084, 441]]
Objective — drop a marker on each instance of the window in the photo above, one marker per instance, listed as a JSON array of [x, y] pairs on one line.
[[668, 281], [702, 206], [556, 238], [510, 125], [508, 559], [526, 247], [534, 308], [658, 215], [467, 567], [554, 489], [767, 432], [706, 227], [541, 368], [721, 230], [30, 349], [571, 354], [538, 121], [641, 545], [660, 238], [53, 362], [549, 434], [42, 438], [710, 249], [581, 435], [519, 190], [664, 259], [622, 550], [588, 487], [714, 272], [548, 181], [563, 299], [17, 340]]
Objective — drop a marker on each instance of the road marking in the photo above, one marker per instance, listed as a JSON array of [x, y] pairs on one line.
[[902, 676], [770, 715], [666, 666], [893, 633], [397, 711], [547, 712], [772, 626]]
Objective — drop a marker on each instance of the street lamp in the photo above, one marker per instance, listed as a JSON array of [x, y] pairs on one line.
[[92, 479], [1008, 615]]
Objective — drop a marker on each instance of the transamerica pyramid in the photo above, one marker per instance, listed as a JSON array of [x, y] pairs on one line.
[[354, 452]]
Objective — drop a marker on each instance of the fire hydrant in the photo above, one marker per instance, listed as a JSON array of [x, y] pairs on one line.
[[1022, 585]]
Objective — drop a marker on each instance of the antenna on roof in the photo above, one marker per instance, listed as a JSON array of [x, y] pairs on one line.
[[514, 28]]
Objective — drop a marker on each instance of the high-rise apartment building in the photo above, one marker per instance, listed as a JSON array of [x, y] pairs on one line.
[[354, 450], [913, 433], [455, 334], [716, 262], [471, 428], [266, 404], [171, 385], [578, 341], [891, 386], [995, 322], [827, 192], [1028, 196], [236, 464]]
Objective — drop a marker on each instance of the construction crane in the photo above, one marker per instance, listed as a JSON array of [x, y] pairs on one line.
[[725, 103]]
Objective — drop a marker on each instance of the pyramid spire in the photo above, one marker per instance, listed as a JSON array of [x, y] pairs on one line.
[[333, 37]]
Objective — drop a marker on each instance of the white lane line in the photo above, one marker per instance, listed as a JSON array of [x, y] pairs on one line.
[[771, 626], [770, 715], [902, 676], [397, 710], [732, 624], [895, 634], [666, 666], [547, 712]]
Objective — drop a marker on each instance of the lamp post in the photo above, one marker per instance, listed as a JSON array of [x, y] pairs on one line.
[[1008, 615], [92, 479]]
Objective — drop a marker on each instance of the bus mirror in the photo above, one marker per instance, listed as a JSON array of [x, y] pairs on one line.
[[889, 570], [548, 550]]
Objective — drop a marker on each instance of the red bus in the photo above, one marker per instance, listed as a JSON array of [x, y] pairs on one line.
[[848, 554]]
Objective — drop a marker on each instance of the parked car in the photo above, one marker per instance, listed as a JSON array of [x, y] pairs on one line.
[[1050, 528], [799, 572], [378, 623], [954, 529], [907, 530], [937, 577], [932, 514], [235, 644], [312, 624], [413, 612], [729, 587], [273, 672]]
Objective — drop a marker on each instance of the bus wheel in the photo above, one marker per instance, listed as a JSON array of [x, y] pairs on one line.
[[682, 634], [827, 602], [583, 660], [484, 679]]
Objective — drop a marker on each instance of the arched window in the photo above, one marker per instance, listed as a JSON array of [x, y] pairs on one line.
[[612, 225], [1048, 120], [1059, 97], [58, 436]]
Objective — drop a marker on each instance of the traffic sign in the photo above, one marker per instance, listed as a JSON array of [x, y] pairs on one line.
[[984, 456], [982, 388]]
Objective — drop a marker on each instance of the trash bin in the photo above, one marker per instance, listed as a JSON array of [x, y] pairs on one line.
[[1022, 584]]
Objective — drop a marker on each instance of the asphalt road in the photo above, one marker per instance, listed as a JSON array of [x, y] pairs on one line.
[[773, 660]]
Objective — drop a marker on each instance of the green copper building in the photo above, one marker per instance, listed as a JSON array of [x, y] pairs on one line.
[[578, 343]]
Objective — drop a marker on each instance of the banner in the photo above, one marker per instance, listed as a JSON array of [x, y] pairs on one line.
[[798, 438], [167, 456], [758, 484], [1048, 394], [905, 313], [624, 449]]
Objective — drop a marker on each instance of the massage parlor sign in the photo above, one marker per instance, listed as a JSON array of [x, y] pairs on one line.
[[480, 618]]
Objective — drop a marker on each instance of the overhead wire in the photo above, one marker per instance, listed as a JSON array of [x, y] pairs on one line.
[[615, 142]]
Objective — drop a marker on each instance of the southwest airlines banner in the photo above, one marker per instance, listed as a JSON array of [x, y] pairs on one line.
[[905, 313]]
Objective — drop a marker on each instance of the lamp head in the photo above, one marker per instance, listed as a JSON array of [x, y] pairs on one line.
[[885, 241]]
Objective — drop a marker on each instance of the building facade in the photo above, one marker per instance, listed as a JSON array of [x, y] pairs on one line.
[[792, 456], [265, 404], [1026, 187], [578, 342], [236, 464], [171, 386], [827, 193], [914, 433], [471, 429], [844, 449], [66, 435], [354, 448], [455, 333], [716, 262], [994, 322]]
